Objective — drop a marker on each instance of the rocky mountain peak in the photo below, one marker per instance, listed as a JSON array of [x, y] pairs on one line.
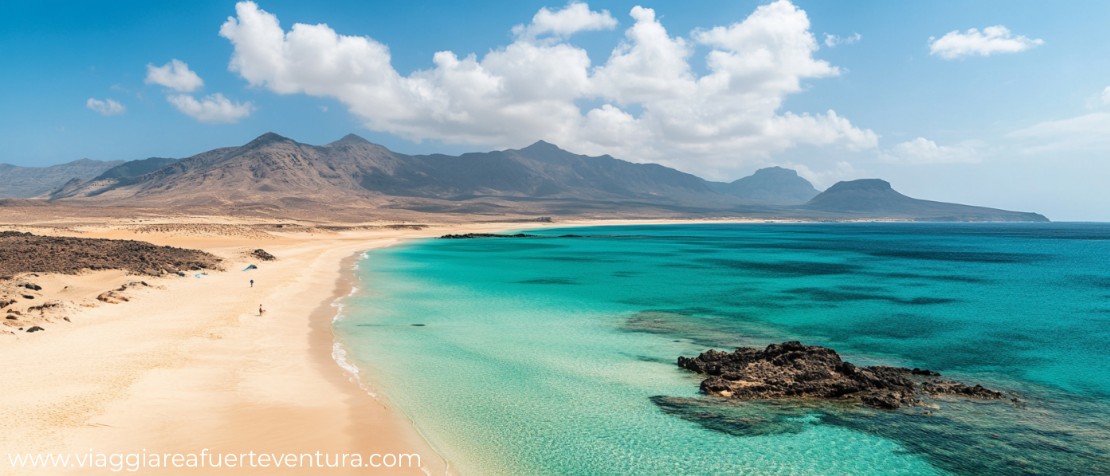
[[541, 146], [873, 185], [351, 139], [267, 139]]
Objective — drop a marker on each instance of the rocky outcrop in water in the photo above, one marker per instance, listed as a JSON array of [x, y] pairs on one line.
[[793, 370], [466, 236]]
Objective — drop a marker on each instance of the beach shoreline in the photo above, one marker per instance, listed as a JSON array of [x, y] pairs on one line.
[[349, 283], [198, 368], [365, 406], [192, 366], [333, 351]]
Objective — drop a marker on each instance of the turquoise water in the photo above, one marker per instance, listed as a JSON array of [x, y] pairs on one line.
[[555, 355]]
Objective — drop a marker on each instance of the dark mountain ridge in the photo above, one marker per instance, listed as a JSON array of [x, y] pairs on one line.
[[355, 168], [135, 168], [876, 198], [279, 173]]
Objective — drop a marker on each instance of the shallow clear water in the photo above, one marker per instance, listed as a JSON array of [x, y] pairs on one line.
[[555, 355]]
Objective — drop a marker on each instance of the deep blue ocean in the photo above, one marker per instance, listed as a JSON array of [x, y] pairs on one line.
[[556, 354]]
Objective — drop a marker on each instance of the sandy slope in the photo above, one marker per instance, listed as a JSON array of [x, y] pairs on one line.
[[188, 364]]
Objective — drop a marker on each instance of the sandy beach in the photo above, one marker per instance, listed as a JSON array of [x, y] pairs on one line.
[[193, 365], [187, 365]]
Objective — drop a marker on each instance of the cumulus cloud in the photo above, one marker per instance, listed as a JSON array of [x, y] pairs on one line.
[[574, 18], [175, 75], [925, 151], [992, 40], [105, 107], [214, 108], [832, 41], [644, 102]]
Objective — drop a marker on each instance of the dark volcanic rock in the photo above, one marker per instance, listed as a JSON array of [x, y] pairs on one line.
[[35, 329], [263, 255], [485, 235], [793, 370], [44, 307], [27, 253]]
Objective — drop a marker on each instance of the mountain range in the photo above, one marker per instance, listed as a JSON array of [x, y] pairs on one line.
[[274, 174], [21, 182]]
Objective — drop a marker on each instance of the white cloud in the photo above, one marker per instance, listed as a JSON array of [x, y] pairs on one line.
[[1085, 133], [105, 107], [832, 41], [650, 66], [573, 18], [213, 108], [925, 151], [644, 103], [992, 40], [175, 75], [1104, 98]]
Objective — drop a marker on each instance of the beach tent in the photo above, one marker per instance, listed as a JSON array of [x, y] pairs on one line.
[[248, 268]]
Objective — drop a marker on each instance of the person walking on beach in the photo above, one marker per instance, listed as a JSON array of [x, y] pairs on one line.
[[260, 311], [252, 283]]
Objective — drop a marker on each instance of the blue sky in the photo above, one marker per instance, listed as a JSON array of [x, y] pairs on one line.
[[1017, 117]]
